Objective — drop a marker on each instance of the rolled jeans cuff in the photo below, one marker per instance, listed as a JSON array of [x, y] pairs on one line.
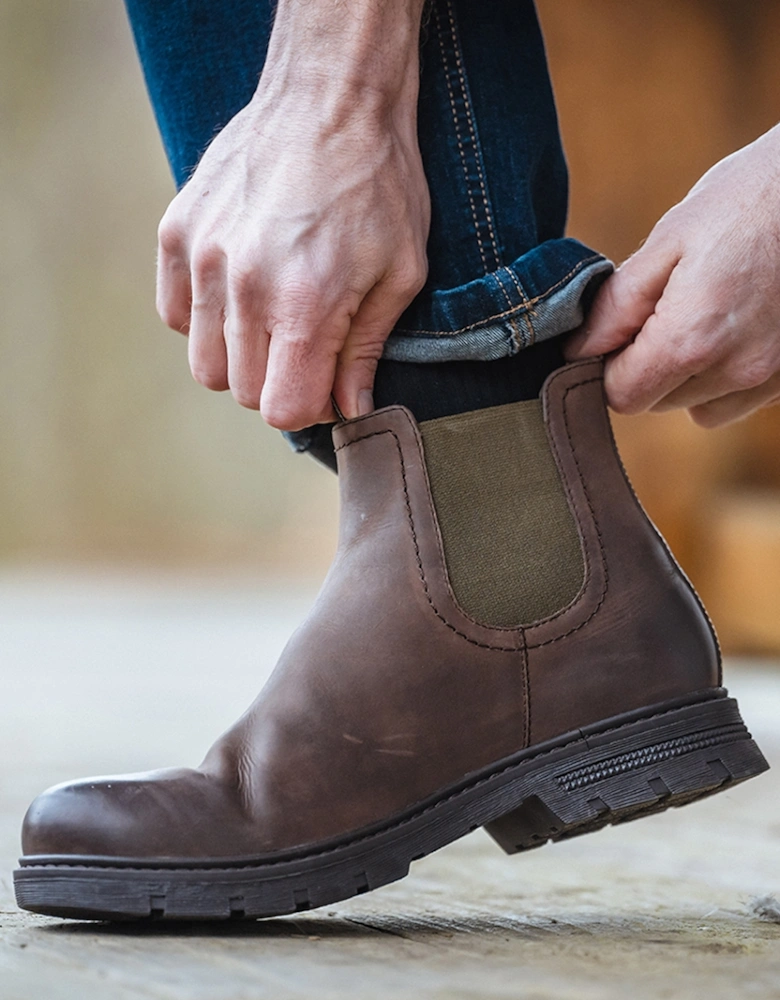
[[542, 294]]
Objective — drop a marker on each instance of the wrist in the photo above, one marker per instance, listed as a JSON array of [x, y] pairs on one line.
[[356, 53]]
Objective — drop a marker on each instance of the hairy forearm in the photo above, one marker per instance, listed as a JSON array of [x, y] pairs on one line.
[[367, 50]]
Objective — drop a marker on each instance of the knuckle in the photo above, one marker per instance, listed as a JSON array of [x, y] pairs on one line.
[[753, 373], [244, 283], [170, 236], [668, 223], [411, 276], [669, 231], [622, 395], [233, 328], [288, 411], [626, 279], [207, 262], [694, 355], [300, 297], [623, 402], [298, 338], [249, 400]]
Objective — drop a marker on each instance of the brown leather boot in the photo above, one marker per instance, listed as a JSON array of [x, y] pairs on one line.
[[455, 672]]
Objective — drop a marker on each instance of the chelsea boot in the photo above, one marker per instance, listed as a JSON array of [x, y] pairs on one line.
[[503, 640]]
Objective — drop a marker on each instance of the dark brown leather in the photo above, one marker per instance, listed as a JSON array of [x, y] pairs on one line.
[[389, 692], [638, 633]]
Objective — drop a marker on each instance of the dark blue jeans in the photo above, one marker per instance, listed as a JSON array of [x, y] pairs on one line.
[[502, 275]]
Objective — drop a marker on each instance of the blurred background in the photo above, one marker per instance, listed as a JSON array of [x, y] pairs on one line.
[[110, 456]]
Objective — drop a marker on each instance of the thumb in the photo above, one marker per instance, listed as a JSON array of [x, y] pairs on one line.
[[625, 302], [353, 385]]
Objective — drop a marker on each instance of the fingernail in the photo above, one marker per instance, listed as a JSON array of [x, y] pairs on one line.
[[365, 402]]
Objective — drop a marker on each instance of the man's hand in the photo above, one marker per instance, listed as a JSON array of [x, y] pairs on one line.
[[300, 238], [694, 315]]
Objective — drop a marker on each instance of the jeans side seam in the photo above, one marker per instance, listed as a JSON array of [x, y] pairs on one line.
[[526, 301], [467, 105], [518, 338], [463, 100], [461, 150]]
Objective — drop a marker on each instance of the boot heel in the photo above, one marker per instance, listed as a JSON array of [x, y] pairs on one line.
[[633, 770]]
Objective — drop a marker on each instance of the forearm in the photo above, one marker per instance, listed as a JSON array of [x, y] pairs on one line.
[[300, 239], [356, 54]]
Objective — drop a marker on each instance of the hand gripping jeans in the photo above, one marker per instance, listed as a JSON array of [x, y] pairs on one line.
[[502, 276]]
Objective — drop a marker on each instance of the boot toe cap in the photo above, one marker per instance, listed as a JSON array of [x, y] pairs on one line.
[[131, 816]]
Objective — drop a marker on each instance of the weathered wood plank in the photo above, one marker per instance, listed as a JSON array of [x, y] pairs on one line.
[[88, 678]]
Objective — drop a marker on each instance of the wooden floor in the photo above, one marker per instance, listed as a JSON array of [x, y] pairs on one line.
[[107, 675]]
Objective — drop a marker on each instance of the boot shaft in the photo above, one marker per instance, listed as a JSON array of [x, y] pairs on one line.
[[634, 631]]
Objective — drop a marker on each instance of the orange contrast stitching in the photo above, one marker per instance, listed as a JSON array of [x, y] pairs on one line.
[[458, 137], [523, 306], [472, 129], [524, 297], [518, 335]]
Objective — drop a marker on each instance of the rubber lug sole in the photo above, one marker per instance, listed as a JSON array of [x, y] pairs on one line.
[[623, 769]]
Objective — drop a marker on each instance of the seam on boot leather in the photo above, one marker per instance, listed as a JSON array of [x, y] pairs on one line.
[[575, 512], [420, 569], [581, 595], [521, 629], [671, 557]]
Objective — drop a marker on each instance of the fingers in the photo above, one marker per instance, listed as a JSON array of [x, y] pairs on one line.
[[174, 292], [637, 377], [652, 322], [313, 348], [701, 389], [378, 313], [283, 348], [742, 368], [206, 348], [246, 337], [354, 379], [308, 324], [194, 294], [692, 319], [625, 301], [737, 405], [316, 351], [190, 299], [299, 375]]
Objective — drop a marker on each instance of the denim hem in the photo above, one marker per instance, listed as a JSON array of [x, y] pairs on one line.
[[541, 295]]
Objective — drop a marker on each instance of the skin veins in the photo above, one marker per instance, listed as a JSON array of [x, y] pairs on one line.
[[300, 239]]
